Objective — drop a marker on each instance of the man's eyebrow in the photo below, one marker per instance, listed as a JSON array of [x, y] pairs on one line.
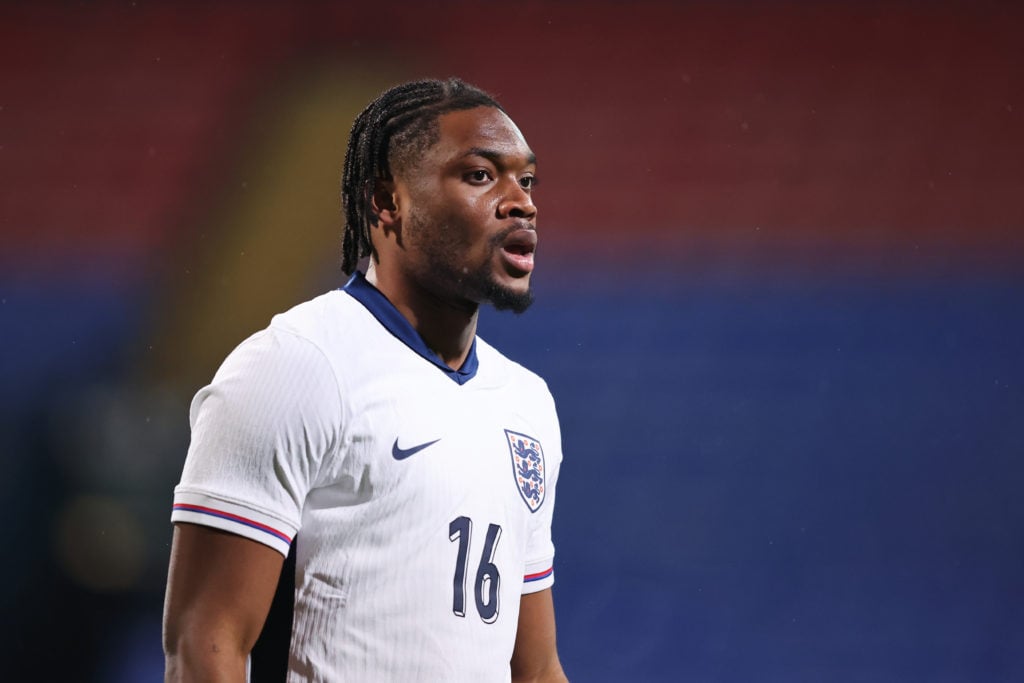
[[494, 156]]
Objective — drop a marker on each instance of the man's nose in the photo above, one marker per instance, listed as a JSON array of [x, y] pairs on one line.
[[517, 203]]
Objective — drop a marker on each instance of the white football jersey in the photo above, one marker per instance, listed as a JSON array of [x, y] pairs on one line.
[[419, 497]]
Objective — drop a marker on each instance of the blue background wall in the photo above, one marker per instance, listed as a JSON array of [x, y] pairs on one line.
[[786, 479]]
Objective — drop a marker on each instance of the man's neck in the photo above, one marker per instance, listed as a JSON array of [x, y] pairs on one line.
[[446, 328]]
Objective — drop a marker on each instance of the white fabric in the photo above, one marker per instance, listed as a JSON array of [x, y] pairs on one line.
[[295, 435]]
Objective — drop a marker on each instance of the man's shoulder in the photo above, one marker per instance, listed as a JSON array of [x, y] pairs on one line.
[[308, 347], [323, 328], [331, 321], [309, 317]]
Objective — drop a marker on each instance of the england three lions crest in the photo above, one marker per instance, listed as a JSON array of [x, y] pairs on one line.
[[527, 467]]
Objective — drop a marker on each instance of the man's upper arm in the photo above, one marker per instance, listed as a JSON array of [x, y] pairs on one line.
[[219, 590], [535, 657]]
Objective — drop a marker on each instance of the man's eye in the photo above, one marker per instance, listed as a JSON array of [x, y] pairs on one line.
[[528, 182], [480, 176]]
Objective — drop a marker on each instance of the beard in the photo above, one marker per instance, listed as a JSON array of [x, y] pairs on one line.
[[478, 285], [504, 298]]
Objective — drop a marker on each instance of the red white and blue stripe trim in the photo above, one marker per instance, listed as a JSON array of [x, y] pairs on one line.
[[539, 576], [251, 523]]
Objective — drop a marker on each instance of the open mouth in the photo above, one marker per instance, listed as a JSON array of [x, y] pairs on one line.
[[518, 249]]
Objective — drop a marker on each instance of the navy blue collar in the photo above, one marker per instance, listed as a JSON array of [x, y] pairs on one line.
[[395, 323]]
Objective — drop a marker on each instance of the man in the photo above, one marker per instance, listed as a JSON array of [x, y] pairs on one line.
[[411, 464]]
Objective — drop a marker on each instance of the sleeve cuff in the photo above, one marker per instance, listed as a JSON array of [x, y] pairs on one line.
[[237, 519], [539, 575]]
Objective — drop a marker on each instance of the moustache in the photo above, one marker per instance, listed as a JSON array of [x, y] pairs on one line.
[[499, 238]]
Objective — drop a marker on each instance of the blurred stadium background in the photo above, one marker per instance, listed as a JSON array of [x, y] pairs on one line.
[[780, 288]]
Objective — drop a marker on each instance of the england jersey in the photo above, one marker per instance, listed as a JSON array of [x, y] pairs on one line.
[[419, 497]]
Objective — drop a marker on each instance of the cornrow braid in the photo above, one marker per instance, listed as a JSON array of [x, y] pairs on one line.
[[402, 121]]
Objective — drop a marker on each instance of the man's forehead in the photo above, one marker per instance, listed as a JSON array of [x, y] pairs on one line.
[[483, 128]]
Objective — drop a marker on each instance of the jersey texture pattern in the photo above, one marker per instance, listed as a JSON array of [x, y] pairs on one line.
[[419, 498]]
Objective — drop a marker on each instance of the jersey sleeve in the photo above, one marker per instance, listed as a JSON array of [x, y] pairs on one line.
[[540, 550], [260, 431]]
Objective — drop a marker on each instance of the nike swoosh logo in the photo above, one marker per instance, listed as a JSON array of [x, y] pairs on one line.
[[403, 453]]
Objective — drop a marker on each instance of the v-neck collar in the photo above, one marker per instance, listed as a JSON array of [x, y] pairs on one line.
[[360, 289]]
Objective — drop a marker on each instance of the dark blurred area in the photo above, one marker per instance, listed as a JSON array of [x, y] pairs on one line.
[[780, 284]]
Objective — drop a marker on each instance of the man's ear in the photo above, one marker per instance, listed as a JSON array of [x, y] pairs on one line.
[[383, 202]]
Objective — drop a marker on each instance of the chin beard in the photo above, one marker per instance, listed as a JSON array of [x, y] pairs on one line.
[[504, 299]]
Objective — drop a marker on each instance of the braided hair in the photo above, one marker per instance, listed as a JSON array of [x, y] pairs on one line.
[[399, 124]]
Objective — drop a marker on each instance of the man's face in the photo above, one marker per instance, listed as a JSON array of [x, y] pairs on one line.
[[469, 227]]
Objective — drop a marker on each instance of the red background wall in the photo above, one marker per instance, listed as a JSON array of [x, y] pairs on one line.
[[795, 130]]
